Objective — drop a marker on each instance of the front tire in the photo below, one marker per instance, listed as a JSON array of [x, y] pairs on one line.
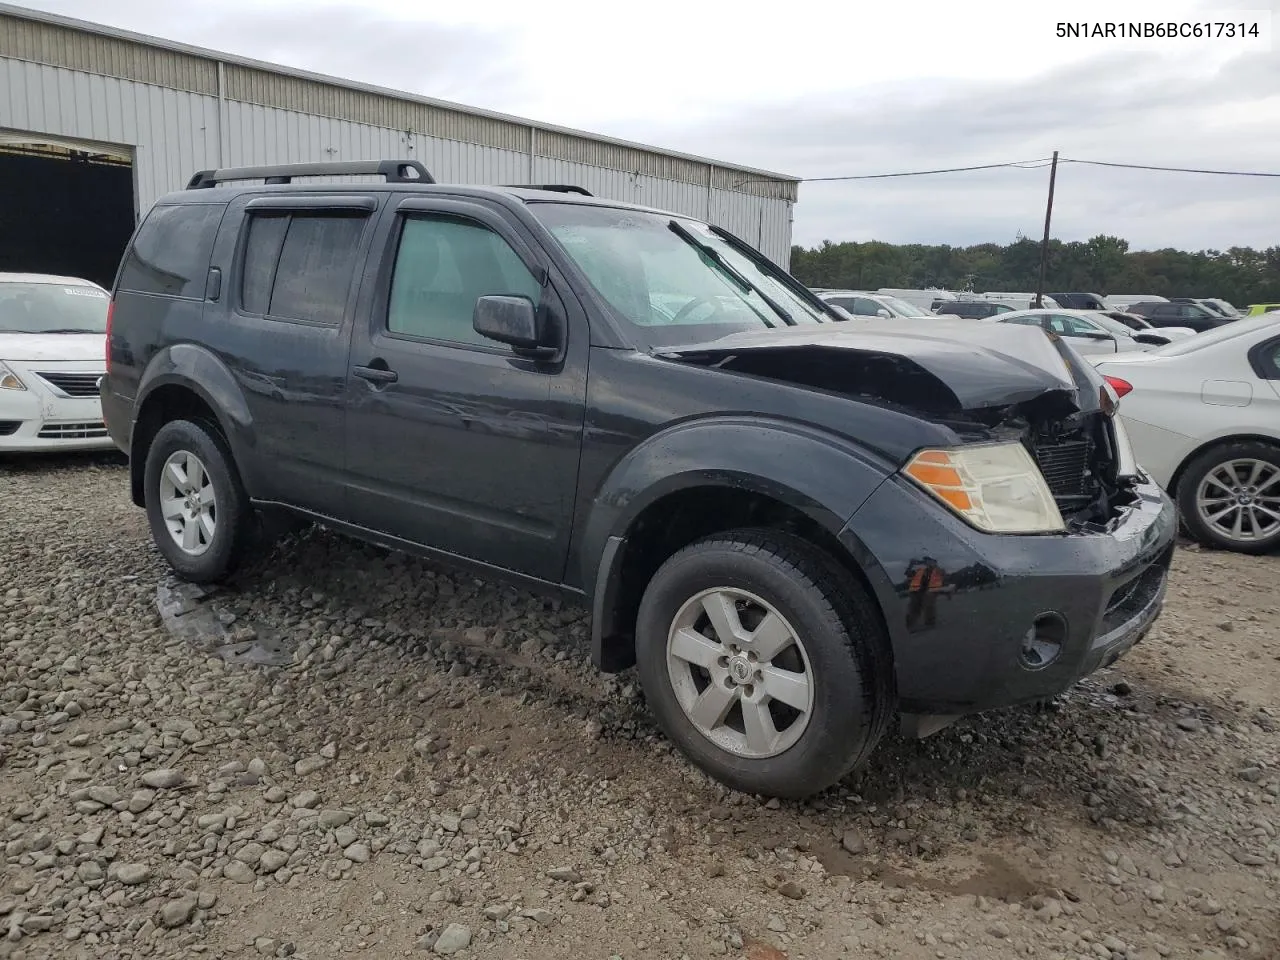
[[1229, 497], [764, 662], [199, 513]]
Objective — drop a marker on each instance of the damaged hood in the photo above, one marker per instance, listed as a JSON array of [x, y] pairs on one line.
[[982, 365]]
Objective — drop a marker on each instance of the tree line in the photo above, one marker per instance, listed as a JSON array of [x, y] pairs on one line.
[[1103, 265]]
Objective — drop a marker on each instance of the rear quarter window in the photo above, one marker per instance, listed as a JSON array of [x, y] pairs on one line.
[[170, 254]]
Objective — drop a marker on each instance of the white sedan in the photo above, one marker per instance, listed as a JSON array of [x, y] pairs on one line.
[[1203, 417], [1091, 332], [52, 354]]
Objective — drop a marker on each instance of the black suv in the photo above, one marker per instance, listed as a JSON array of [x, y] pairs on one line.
[[1079, 301], [1174, 314], [796, 528]]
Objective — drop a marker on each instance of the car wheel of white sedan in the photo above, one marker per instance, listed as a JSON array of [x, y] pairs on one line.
[[1229, 497]]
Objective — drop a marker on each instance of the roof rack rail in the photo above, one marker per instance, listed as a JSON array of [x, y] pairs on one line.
[[393, 171], [555, 187]]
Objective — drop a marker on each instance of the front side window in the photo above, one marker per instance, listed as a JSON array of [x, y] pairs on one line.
[[443, 266], [672, 280], [300, 266]]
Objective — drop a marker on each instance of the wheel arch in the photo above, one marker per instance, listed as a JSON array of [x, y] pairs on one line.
[[188, 382], [1176, 479], [647, 510]]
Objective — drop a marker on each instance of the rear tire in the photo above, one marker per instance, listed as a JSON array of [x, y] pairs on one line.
[[1229, 482], [803, 690], [199, 513]]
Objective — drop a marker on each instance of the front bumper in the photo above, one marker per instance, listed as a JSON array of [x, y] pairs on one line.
[[41, 418], [961, 605]]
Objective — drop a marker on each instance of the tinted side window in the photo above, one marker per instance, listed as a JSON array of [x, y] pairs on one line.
[[867, 307], [261, 254], [170, 255], [443, 266], [300, 266], [846, 303]]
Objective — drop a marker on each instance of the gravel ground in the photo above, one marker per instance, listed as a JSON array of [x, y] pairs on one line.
[[432, 767]]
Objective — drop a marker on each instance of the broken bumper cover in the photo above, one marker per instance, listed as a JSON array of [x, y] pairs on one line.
[[980, 621]]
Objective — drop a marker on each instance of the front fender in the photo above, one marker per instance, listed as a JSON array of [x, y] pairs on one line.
[[821, 475], [200, 371]]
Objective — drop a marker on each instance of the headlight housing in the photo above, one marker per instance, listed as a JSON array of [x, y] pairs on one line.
[[9, 380], [997, 487]]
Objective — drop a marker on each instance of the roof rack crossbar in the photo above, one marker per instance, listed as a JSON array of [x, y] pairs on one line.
[[393, 171], [555, 187]]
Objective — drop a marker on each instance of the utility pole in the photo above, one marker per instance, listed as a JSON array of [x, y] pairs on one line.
[[1044, 245]]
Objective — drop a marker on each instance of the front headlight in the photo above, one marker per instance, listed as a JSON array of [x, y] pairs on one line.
[[997, 487], [9, 380]]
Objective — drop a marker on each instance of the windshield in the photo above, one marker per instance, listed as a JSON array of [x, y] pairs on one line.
[[663, 283], [903, 308], [52, 308], [1228, 331]]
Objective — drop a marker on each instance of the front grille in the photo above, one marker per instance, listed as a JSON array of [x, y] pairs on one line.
[[73, 384], [73, 431], [9, 427], [1065, 466]]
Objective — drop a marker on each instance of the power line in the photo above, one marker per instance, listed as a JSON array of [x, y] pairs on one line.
[[1140, 166], [1016, 164], [1024, 164]]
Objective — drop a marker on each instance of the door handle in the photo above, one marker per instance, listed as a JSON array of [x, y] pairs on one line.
[[376, 374]]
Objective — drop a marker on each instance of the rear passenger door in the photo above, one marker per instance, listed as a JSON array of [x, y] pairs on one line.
[[454, 442], [288, 306]]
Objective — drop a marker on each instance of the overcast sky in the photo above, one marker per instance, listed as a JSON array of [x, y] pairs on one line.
[[821, 89]]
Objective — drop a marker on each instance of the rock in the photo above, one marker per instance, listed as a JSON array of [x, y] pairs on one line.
[[163, 779], [998, 930], [1250, 774], [251, 853], [454, 938], [273, 860], [538, 915], [1248, 859], [107, 796], [177, 913], [329, 751], [89, 871], [594, 729], [777, 925], [141, 801], [450, 823], [238, 872], [565, 874], [132, 874], [309, 765], [1121, 689], [332, 819], [266, 946], [1190, 724], [791, 890], [497, 911], [357, 853], [853, 843], [1155, 893], [306, 800]]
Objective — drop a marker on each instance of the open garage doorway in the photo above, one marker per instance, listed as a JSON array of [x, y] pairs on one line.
[[66, 208]]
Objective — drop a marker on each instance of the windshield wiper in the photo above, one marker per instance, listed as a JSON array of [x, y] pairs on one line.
[[712, 254], [64, 330]]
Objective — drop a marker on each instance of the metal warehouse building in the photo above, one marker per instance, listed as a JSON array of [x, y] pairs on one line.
[[96, 123]]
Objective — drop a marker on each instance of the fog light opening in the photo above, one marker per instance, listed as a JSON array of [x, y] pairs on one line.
[[1042, 644]]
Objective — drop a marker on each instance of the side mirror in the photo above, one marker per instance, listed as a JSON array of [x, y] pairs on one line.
[[513, 321], [882, 312]]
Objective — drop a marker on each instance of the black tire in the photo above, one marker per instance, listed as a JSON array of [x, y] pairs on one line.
[[234, 521], [844, 638], [1203, 465]]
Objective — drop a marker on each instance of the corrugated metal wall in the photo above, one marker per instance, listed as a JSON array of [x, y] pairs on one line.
[[164, 106]]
